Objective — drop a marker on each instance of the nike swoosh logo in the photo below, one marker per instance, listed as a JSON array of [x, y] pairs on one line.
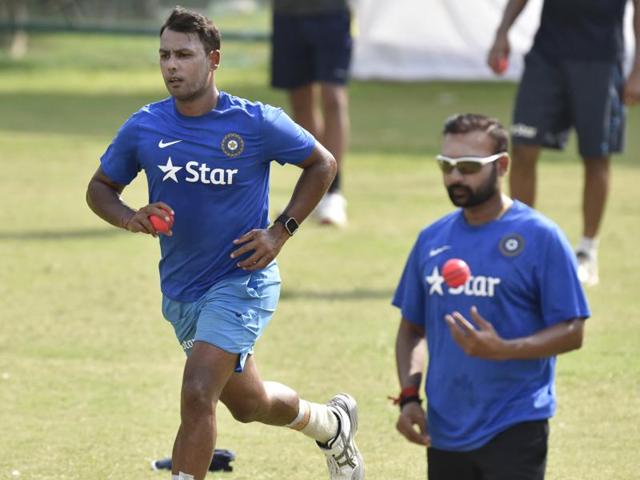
[[436, 251], [161, 143]]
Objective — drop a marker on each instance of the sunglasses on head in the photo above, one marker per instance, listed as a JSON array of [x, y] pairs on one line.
[[466, 165]]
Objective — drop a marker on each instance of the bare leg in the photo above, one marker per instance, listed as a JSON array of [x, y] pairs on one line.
[[522, 179], [206, 372], [594, 196], [335, 110], [304, 111], [250, 399]]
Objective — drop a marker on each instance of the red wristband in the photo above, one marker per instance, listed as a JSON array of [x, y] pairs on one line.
[[410, 391], [407, 395]]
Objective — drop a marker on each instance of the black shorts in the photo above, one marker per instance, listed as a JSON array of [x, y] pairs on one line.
[[518, 453], [310, 48], [555, 96]]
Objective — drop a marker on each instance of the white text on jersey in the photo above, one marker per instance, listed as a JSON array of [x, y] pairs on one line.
[[215, 176], [476, 286]]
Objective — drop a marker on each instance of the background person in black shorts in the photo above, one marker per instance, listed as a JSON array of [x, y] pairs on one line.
[[573, 77], [311, 54]]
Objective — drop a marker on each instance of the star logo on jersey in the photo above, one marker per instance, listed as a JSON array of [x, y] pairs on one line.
[[169, 170], [435, 281], [232, 145]]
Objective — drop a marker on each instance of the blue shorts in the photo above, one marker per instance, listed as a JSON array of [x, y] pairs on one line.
[[310, 48], [231, 315], [554, 96]]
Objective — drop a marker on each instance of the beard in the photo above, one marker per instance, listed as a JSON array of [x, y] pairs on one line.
[[463, 196]]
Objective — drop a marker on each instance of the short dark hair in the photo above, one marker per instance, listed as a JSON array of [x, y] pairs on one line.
[[473, 122], [187, 21]]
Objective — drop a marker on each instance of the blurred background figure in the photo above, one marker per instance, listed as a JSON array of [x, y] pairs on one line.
[[311, 55], [573, 77]]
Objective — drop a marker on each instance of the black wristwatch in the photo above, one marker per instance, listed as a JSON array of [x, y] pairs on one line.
[[290, 224]]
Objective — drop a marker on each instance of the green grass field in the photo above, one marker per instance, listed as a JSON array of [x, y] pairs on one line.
[[90, 371]]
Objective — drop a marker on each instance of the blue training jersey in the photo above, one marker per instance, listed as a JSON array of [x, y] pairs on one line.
[[213, 170], [523, 280]]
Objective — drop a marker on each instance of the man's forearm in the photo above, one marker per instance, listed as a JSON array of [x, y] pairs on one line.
[[557, 339], [311, 186], [107, 204], [511, 13], [411, 354]]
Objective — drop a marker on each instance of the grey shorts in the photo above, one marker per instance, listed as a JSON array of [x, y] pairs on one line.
[[555, 96]]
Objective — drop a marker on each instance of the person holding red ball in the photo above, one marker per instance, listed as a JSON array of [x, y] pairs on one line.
[[492, 341]]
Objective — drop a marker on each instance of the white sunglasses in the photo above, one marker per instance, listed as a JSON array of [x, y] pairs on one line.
[[466, 165]]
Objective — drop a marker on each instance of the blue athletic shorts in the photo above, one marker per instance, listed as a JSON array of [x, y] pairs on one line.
[[310, 48], [231, 315], [554, 96]]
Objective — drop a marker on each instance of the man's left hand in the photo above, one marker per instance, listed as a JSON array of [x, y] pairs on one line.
[[265, 244], [481, 340]]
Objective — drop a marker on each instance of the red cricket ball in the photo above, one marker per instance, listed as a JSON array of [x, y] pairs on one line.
[[456, 272], [160, 224], [503, 64]]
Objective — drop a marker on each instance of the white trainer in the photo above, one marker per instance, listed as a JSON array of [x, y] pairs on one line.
[[588, 268], [344, 460], [332, 210]]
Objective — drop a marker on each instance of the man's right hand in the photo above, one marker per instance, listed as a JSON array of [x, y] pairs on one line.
[[138, 222], [411, 416], [499, 53]]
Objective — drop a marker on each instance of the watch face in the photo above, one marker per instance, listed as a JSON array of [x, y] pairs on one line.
[[291, 225]]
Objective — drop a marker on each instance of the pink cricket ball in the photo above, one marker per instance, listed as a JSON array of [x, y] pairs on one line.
[[456, 272], [160, 224]]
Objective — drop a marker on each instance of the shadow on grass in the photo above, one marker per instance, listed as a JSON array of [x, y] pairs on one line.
[[355, 294], [53, 235]]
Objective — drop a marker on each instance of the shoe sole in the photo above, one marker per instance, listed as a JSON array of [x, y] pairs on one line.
[[347, 403]]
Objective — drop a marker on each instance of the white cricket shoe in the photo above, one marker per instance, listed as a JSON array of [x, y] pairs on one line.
[[332, 210], [588, 268], [344, 460]]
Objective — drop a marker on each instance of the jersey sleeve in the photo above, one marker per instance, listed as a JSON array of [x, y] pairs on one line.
[[561, 295], [284, 140], [119, 162], [410, 293]]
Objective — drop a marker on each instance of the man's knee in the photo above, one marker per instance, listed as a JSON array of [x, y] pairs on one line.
[[301, 98], [246, 410], [334, 98], [196, 396], [524, 157], [596, 166]]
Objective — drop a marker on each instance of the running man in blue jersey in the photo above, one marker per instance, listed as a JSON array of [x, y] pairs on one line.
[[573, 77], [206, 156], [492, 342]]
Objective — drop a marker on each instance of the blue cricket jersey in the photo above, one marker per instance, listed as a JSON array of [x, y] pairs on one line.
[[523, 280], [213, 170]]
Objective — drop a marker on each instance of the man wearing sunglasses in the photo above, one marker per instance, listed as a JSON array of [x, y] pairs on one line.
[[492, 342], [573, 77]]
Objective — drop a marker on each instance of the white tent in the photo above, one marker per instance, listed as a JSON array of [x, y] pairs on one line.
[[440, 39]]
